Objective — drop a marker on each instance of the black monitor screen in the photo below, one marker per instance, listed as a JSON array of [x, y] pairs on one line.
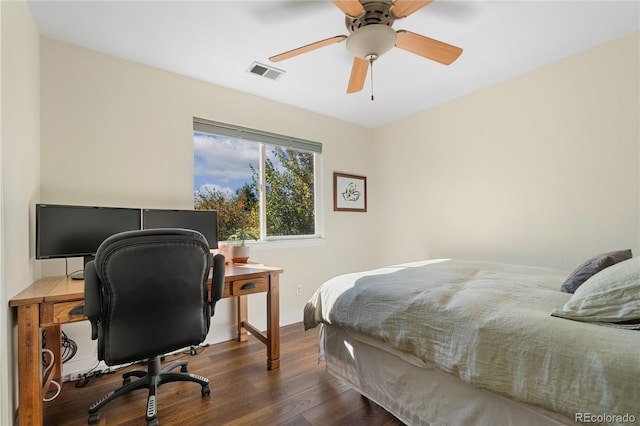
[[75, 231], [203, 221]]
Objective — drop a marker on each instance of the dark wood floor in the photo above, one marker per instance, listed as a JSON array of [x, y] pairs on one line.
[[243, 391]]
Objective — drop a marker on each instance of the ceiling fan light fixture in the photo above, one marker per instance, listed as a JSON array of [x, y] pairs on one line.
[[371, 41]]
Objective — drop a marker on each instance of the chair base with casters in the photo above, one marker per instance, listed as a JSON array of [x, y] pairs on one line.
[[150, 379]]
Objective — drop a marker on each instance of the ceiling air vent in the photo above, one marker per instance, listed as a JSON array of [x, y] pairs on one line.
[[265, 71]]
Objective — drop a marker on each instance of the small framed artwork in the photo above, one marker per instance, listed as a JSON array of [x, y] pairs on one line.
[[349, 193]]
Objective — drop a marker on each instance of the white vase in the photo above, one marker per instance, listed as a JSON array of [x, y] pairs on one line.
[[239, 254]]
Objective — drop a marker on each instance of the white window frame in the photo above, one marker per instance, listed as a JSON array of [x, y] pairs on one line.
[[265, 138]]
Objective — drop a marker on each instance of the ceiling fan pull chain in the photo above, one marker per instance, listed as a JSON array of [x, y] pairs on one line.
[[371, 63]]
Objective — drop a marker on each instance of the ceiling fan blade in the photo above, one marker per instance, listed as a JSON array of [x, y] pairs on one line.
[[352, 8], [307, 48], [358, 75], [427, 47], [404, 8]]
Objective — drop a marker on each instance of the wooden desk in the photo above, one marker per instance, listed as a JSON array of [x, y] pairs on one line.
[[46, 304]]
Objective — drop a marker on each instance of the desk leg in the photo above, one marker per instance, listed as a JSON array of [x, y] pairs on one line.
[[273, 323], [29, 365], [54, 344], [242, 319]]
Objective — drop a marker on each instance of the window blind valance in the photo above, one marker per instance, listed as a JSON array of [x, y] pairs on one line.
[[217, 128]]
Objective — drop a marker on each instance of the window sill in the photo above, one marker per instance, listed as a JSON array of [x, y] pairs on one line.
[[284, 243]]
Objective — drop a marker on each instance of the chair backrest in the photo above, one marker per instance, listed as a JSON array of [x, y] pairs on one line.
[[146, 293]]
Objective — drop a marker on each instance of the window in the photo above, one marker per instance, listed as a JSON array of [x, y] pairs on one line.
[[264, 182]]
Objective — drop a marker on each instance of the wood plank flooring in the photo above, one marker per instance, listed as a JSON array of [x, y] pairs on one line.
[[243, 391]]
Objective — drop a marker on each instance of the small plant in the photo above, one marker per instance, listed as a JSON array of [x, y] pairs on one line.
[[241, 235]]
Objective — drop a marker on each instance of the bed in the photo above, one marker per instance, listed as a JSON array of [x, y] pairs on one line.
[[455, 342]]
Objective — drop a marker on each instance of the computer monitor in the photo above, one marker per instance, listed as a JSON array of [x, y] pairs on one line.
[[203, 221], [64, 231]]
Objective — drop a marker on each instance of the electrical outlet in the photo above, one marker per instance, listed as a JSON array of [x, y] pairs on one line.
[[298, 290]]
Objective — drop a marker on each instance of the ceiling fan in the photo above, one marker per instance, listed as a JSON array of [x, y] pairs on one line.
[[369, 23]]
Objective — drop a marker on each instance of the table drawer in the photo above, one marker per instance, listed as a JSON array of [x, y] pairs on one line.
[[255, 285], [61, 313]]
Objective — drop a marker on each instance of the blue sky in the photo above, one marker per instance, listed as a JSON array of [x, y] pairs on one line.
[[221, 162]]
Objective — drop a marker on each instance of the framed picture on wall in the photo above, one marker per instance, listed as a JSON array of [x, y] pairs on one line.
[[349, 193]]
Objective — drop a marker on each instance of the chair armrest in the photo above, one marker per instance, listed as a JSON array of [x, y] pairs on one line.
[[92, 297], [217, 280]]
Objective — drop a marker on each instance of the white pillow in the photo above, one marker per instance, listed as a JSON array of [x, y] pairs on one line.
[[610, 296]]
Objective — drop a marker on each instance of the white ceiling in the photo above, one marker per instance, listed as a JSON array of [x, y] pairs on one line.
[[217, 41]]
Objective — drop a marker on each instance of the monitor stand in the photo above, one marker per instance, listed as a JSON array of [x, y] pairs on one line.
[[79, 275]]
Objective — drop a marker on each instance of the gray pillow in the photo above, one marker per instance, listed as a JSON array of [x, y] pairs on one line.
[[592, 267]]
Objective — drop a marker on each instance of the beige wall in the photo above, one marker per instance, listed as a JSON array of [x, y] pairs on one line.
[[20, 139], [119, 133], [540, 169]]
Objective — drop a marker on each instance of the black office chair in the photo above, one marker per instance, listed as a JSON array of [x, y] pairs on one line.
[[146, 295]]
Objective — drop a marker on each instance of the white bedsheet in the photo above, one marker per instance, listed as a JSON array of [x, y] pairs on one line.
[[489, 325]]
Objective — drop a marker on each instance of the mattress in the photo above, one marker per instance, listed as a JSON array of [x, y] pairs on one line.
[[416, 393]]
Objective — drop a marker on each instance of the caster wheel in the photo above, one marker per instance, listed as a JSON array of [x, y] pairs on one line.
[[206, 390], [94, 418]]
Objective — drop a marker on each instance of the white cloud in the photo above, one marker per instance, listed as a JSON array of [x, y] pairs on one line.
[[224, 159]]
